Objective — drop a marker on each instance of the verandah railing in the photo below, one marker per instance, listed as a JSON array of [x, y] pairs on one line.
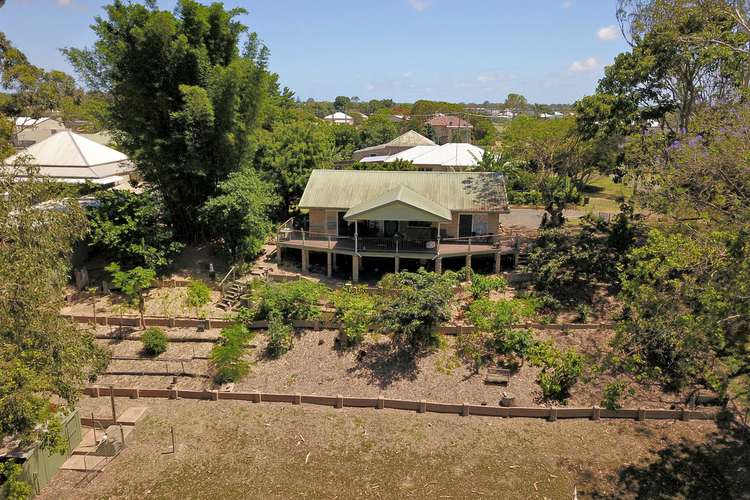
[[322, 240]]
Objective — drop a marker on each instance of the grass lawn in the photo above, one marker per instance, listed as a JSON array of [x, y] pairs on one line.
[[603, 186], [232, 449]]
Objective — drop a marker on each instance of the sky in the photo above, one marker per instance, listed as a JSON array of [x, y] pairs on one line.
[[551, 51]]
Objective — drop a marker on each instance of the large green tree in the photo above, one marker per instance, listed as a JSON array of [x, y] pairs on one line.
[[238, 214], [558, 156], [43, 356], [131, 228], [289, 152], [33, 91], [378, 129], [184, 97], [681, 58]]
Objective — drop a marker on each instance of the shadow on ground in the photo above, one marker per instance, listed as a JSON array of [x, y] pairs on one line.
[[381, 364], [716, 469]]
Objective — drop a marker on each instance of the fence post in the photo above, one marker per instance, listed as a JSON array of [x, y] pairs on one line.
[[552, 414], [465, 410], [297, 399], [135, 393], [381, 402], [422, 406], [684, 416], [339, 401], [256, 397], [214, 395], [596, 413], [641, 414]]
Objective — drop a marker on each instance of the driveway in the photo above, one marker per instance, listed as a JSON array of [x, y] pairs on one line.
[[531, 218]]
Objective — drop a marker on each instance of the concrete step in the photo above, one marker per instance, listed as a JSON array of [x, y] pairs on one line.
[[131, 415], [84, 463]]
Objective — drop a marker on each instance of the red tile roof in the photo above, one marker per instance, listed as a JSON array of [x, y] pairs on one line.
[[448, 121]]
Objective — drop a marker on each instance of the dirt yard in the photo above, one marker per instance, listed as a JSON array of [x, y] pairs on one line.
[[230, 449], [316, 365], [169, 302]]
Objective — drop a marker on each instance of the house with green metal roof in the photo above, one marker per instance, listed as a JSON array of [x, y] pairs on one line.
[[362, 218]]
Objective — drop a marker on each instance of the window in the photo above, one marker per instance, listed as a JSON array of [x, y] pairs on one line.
[[419, 223]]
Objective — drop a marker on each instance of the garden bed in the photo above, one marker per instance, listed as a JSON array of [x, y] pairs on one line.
[[316, 365]]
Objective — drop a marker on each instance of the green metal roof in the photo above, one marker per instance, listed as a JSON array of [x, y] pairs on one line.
[[452, 191], [400, 203]]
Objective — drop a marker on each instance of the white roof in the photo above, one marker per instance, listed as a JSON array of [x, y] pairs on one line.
[[448, 155], [67, 155], [338, 115], [27, 121], [374, 159], [411, 154]]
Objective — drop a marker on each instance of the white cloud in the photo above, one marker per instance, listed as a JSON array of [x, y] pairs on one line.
[[567, 4], [608, 33], [584, 66], [408, 74], [64, 3], [420, 5]]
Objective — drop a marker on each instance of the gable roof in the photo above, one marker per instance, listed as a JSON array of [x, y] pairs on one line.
[[69, 156], [449, 121], [410, 138], [453, 154], [400, 203], [454, 191], [405, 140]]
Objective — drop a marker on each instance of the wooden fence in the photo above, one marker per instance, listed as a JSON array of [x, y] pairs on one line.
[[324, 322], [422, 406]]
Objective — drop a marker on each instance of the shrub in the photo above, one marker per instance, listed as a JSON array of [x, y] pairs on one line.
[[488, 315], [355, 309], [228, 353], [413, 306], [471, 347], [568, 265], [154, 341], [12, 486], [584, 313], [481, 286], [294, 300], [513, 342], [280, 337], [613, 394], [198, 294], [560, 369]]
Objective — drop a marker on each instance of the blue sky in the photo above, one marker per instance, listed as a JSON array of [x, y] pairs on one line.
[[551, 51]]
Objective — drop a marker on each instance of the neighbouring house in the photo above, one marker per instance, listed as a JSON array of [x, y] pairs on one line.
[[447, 128], [362, 220], [29, 131], [451, 157], [339, 117], [397, 145], [69, 157]]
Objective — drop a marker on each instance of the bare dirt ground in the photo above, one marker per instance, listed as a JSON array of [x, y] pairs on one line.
[[316, 365], [230, 449], [168, 302]]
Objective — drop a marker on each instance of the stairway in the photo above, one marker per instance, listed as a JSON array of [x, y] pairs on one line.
[[523, 260], [232, 294]]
